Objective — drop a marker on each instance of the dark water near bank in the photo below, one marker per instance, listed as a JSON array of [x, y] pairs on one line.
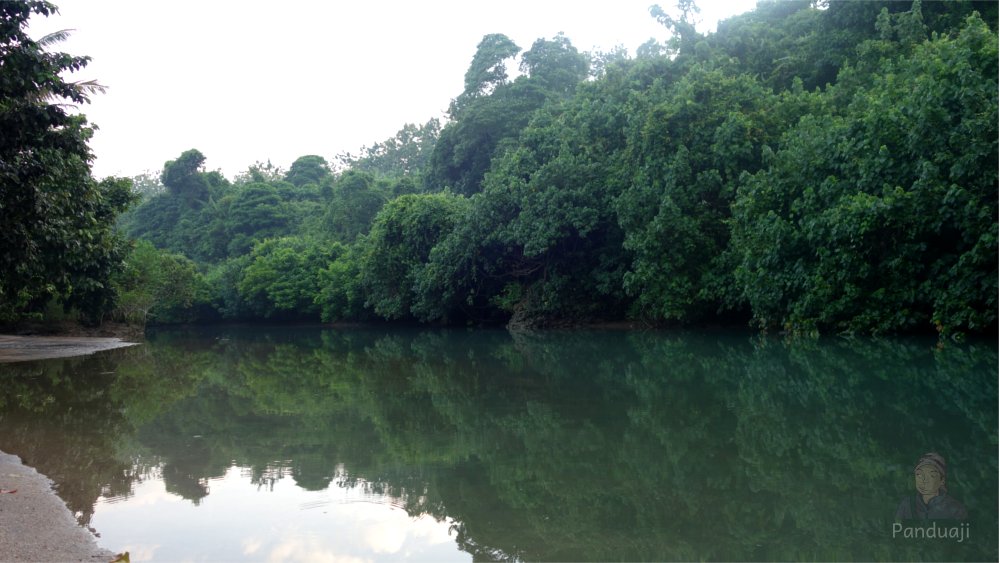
[[360, 444]]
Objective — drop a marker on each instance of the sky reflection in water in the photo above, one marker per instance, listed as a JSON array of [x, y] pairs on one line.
[[282, 522]]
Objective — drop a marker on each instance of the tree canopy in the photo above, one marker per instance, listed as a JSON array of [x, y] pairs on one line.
[[804, 168], [57, 237]]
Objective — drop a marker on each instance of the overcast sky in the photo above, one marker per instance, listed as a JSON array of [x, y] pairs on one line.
[[247, 81]]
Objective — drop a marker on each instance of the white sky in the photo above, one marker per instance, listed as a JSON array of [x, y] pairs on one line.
[[243, 81]]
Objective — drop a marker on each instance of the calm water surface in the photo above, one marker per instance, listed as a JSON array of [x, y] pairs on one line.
[[387, 444]]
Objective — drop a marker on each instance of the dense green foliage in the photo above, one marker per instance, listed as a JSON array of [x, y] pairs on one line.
[[882, 215], [400, 242], [157, 286], [803, 168], [282, 277], [57, 241]]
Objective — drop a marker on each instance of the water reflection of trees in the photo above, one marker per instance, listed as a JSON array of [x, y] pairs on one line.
[[553, 446], [69, 419]]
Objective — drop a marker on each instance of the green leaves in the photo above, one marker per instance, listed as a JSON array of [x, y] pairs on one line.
[[282, 277], [878, 215], [487, 69], [355, 199], [310, 169], [555, 64], [158, 287], [691, 142], [257, 212], [58, 241], [407, 154], [803, 169], [182, 176], [400, 242]]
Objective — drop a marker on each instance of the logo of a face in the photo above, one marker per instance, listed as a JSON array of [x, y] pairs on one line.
[[928, 479], [931, 501]]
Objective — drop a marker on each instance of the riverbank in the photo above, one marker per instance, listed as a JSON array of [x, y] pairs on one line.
[[35, 524], [27, 348]]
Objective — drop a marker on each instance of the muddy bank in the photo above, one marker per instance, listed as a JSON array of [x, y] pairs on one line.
[[35, 524], [27, 348]]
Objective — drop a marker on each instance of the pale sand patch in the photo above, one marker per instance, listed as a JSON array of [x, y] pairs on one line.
[[35, 524], [27, 348]]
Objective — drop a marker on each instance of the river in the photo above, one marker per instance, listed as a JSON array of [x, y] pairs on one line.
[[368, 444]]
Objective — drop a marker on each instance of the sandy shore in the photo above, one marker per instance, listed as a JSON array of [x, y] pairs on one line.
[[35, 524], [26, 348]]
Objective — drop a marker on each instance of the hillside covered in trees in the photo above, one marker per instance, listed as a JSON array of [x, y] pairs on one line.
[[809, 167]]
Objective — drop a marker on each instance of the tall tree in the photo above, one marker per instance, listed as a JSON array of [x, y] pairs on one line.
[[555, 64], [488, 68], [493, 110], [309, 169], [183, 177], [56, 221], [407, 153], [401, 238], [355, 199]]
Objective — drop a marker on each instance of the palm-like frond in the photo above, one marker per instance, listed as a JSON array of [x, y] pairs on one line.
[[55, 37], [83, 88], [87, 87]]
